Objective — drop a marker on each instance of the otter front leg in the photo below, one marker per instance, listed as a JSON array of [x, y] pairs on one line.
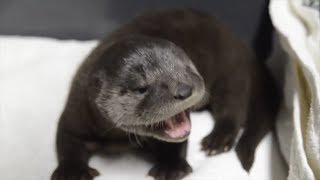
[[229, 109], [222, 138], [73, 156], [170, 161]]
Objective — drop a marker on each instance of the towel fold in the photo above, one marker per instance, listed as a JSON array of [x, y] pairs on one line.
[[298, 25]]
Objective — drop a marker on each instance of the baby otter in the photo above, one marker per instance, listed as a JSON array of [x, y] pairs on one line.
[[146, 77]]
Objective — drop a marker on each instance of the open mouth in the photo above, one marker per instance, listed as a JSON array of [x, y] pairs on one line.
[[175, 127]]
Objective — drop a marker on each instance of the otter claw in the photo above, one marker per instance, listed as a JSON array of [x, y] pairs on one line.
[[225, 149], [212, 152]]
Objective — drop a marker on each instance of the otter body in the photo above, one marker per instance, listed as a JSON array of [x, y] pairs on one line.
[[144, 79]]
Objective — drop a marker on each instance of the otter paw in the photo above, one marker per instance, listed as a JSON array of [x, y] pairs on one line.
[[216, 143], [74, 172], [245, 154], [173, 170]]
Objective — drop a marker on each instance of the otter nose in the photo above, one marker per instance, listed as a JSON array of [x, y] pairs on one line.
[[183, 91]]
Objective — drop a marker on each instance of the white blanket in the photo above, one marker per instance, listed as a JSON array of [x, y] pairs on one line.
[[35, 79], [298, 128]]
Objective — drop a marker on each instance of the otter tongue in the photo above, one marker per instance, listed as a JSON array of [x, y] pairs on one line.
[[178, 126]]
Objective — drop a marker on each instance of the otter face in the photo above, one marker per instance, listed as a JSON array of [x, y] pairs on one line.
[[148, 88]]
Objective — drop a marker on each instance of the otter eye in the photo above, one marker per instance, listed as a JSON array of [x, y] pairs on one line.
[[141, 90]]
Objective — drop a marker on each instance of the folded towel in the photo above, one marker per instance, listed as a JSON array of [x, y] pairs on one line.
[[298, 127]]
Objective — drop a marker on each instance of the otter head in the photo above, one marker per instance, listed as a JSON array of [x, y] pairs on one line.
[[148, 86]]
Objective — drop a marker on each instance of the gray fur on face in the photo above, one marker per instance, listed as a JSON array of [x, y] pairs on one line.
[[139, 88]]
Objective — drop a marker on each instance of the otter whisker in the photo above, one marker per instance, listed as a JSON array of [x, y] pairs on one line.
[[137, 140], [130, 140]]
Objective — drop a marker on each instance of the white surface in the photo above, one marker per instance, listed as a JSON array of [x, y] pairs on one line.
[[34, 80], [299, 124]]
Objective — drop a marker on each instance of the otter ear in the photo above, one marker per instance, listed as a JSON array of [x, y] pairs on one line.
[[96, 80]]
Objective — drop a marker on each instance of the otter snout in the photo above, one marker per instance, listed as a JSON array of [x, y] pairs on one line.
[[183, 91]]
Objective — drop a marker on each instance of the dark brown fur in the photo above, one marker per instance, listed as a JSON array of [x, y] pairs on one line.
[[241, 92]]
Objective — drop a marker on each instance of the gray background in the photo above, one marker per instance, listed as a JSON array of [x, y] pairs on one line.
[[92, 19]]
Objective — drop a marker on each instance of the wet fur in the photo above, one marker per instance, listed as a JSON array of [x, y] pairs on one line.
[[241, 94]]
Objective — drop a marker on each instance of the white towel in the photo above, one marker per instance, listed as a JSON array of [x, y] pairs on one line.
[[298, 127]]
